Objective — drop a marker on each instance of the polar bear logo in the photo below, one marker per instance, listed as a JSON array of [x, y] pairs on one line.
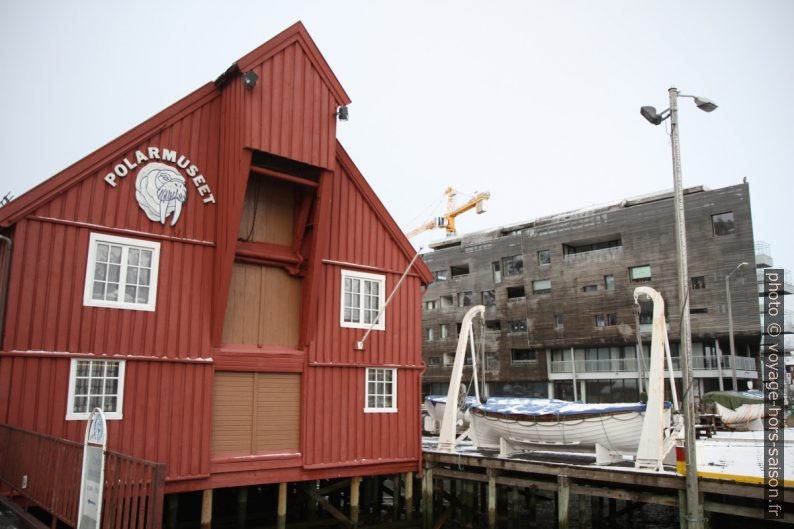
[[160, 190]]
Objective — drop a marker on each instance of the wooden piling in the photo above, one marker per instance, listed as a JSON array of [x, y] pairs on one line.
[[491, 499], [355, 485], [173, 510], [242, 507], [396, 491], [581, 501], [563, 494], [427, 499], [531, 505], [515, 511], [682, 521], [206, 509], [409, 495], [281, 510]]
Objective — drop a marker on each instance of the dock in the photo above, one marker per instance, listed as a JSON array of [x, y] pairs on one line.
[[483, 476]]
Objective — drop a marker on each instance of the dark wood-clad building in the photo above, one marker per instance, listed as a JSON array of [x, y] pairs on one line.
[[203, 278], [561, 287]]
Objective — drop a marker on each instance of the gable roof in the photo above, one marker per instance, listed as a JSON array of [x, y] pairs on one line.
[[383, 214], [87, 166]]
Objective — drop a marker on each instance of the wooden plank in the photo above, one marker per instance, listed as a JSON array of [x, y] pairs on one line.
[[333, 511]]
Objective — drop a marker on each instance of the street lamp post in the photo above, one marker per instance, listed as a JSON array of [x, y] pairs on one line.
[[694, 508], [730, 323]]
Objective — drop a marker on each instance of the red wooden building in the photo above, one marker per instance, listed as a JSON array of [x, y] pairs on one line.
[[203, 278]]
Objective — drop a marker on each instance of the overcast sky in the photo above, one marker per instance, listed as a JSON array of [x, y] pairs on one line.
[[537, 102]]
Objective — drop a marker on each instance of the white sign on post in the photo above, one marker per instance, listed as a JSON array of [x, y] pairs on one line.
[[93, 477]]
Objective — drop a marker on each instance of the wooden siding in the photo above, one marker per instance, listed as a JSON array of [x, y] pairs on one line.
[[264, 307], [255, 412], [268, 212]]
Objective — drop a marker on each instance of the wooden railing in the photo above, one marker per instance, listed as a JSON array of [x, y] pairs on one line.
[[46, 471]]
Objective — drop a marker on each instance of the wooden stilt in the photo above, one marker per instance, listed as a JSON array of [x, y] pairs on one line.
[[515, 511], [563, 494], [281, 510], [206, 509], [355, 484], [427, 499], [682, 509], [613, 507], [595, 511], [491, 500], [396, 492], [242, 507], [581, 501], [531, 505], [173, 510], [409, 495]]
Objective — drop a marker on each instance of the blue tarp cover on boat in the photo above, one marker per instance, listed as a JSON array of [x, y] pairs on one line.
[[541, 407]]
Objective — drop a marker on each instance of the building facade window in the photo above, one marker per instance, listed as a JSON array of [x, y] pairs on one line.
[[515, 293], [493, 325], [496, 267], [459, 270], [517, 325], [541, 286], [640, 274], [121, 273], [590, 288], [430, 334], [440, 275], [600, 321], [433, 361], [464, 298], [698, 282], [612, 319], [431, 304], [95, 384], [381, 390], [513, 265], [444, 331], [559, 321], [489, 298], [609, 282], [492, 361], [544, 257], [723, 224], [523, 356], [362, 299]]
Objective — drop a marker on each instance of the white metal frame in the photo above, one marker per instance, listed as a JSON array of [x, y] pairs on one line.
[[81, 416], [381, 322], [393, 407], [126, 243]]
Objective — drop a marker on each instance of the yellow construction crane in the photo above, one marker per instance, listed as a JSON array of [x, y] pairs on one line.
[[447, 220]]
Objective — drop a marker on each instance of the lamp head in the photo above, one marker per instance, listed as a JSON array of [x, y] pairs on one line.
[[343, 113], [706, 105], [742, 265], [651, 115], [249, 79]]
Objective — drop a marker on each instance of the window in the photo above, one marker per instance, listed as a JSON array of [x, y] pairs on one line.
[[609, 282], [458, 326], [444, 331], [447, 301], [497, 271], [646, 312], [449, 359], [488, 298], [431, 305], [492, 361], [612, 319], [95, 384], [517, 325], [121, 273], [541, 286], [600, 321], [559, 321], [440, 275], [723, 224], [381, 390], [493, 325], [699, 310], [640, 274], [544, 257], [523, 356], [589, 288], [429, 332], [433, 360], [362, 299], [459, 270], [570, 249], [464, 298], [514, 293], [698, 282], [513, 265]]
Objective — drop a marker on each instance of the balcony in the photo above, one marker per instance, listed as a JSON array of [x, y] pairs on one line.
[[787, 285], [788, 319], [614, 365], [763, 255]]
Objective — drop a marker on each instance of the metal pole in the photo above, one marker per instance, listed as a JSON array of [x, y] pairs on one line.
[[730, 330], [694, 509]]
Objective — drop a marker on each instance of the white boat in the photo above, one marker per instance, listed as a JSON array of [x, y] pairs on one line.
[[740, 410], [558, 424], [436, 404]]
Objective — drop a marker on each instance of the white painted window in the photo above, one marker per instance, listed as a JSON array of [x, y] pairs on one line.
[[121, 273], [95, 384], [362, 298], [381, 390]]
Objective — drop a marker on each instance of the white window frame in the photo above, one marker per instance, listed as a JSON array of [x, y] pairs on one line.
[[71, 415], [125, 243], [381, 323], [374, 370]]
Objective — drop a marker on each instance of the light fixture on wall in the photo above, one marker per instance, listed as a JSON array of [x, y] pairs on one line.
[[250, 78], [342, 113]]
